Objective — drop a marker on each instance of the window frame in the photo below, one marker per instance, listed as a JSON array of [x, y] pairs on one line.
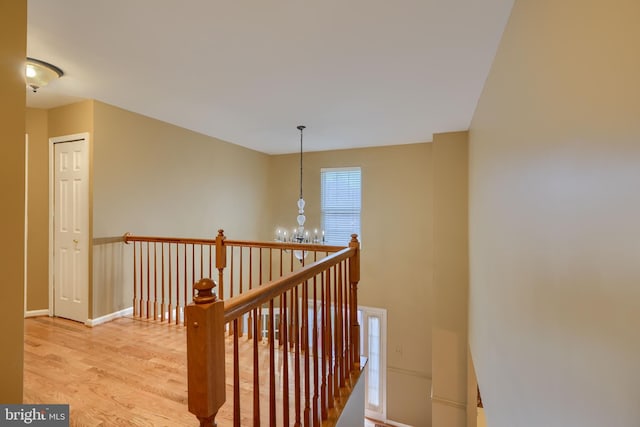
[[324, 212], [364, 313]]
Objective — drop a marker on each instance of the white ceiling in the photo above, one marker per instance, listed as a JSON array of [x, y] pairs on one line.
[[357, 72]]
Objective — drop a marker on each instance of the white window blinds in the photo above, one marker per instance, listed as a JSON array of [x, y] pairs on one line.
[[340, 198]]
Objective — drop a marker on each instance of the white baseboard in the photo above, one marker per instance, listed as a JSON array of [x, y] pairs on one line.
[[36, 313], [108, 317], [386, 422]]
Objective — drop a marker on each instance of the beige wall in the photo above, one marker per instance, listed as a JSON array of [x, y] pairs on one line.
[[42, 125], [71, 119], [38, 210], [397, 253], [145, 175], [554, 208], [153, 178], [13, 47], [451, 279]]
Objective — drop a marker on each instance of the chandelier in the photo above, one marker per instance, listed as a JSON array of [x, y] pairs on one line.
[[299, 234]]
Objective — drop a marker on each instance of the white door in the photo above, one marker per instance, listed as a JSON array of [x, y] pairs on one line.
[[71, 230]]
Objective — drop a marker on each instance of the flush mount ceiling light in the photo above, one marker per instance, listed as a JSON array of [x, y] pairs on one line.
[[40, 73]]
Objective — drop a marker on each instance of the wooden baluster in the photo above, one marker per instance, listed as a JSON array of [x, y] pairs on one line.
[[211, 261], [354, 278], [240, 280], [270, 264], [285, 364], [205, 353], [221, 260], [316, 357], [155, 281], [336, 336], [135, 283], [260, 279], [256, 375], [141, 283], [236, 378], [259, 321], [292, 329], [272, 368], [177, 315], [163, 306], [202, 261], [280, 321], [280, 328], [296, 345], [340, 330], [307, 368], [260, 283], [193, 272], [148, 301], [323, 349], [329, 336], [184, 283], [170, 290], [303, 337], [348, 367], [345, 321], [250, 318], [231, 283]]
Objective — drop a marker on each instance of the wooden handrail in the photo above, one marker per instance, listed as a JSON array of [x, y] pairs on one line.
[[241, 243], [108, 240], [284, 245], [247, 301], [130, 238]]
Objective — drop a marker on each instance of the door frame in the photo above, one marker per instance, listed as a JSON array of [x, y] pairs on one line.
[[52, 141], [380, 313], [26, 217]]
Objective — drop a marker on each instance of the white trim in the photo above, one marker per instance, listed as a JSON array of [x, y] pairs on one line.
[[109, 317], [396, 424], [36, 313], [26, 215], [341, 169], [448, 402], [381, 313], [52, 141], [409, 372]]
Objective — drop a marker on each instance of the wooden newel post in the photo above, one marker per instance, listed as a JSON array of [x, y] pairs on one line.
[[205, 353], [354, 278]]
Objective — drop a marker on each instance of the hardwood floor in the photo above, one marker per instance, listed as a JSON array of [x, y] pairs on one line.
[[123, 373]]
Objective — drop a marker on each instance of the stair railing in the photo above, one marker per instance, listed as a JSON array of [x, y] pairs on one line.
[[313, 364]]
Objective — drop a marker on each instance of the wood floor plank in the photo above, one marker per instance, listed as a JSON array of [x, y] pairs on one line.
[[125, 372], [129, 373]]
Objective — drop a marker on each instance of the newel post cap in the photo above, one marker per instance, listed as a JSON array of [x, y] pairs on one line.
[[204, 289]]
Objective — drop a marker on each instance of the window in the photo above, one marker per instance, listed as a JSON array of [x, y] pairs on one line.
[[373, 331], [340, 203]]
